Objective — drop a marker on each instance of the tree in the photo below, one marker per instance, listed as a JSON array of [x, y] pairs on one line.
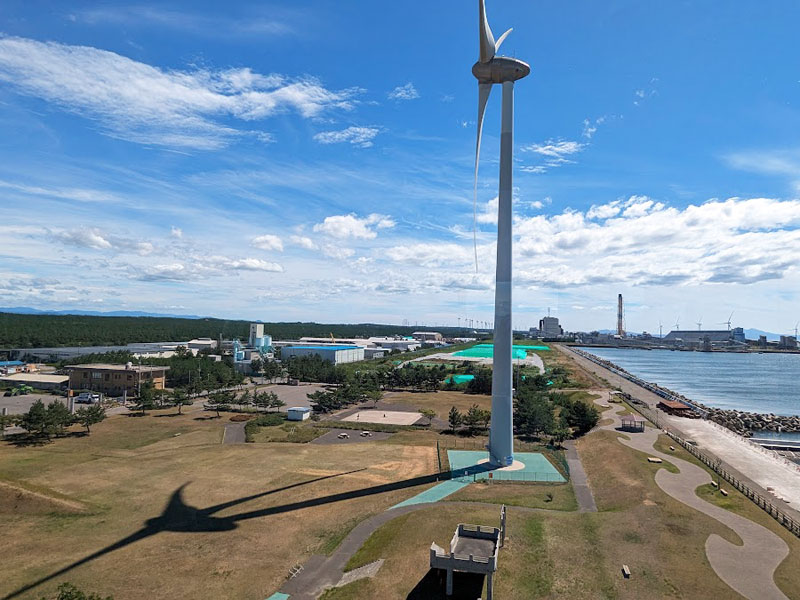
[[476, 418], [35, 420], [220, 399], [533, 415], [275, 402], [429, 414], [180, 399], [67, 591], [256, 366], [58, 418], [7, 421], [90, 415], [582, 416], [455, 418], [147, 397], [482, 383]]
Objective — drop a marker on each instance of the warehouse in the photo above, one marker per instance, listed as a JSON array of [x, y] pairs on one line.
[[39, 381], [333, 353]]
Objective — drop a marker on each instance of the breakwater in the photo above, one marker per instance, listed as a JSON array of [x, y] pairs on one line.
[[742, 422]]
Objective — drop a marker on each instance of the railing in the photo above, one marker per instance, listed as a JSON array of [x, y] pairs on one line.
[[718, 467]]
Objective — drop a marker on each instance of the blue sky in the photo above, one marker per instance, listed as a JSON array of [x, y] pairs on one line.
[[313, 161]]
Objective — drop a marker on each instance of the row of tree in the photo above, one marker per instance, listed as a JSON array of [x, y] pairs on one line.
[[348, 394], [475, 419], [556, 415], [260, 400], [38, 331], [53, 419]]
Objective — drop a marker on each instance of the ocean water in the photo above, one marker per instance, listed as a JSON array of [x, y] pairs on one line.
[[765, 383]]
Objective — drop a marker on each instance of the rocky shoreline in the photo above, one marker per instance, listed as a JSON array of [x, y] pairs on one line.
[[741, 422]]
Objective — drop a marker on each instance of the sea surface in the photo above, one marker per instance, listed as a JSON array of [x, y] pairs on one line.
[[764, 383]]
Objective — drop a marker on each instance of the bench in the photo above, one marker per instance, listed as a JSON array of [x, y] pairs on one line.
[[626, 572], [654, 459]]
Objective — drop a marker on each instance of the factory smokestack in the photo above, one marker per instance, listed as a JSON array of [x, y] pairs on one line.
[[620, 329]]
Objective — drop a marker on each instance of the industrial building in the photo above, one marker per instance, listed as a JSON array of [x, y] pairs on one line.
[[550, 328], [116, 380], [427, 336], [336, 354], [698, 336], [39, 381]]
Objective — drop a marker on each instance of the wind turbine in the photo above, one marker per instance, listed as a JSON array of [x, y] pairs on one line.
[[489, 70], [795, 329], [660, 329], [728, 322], [699, 324]]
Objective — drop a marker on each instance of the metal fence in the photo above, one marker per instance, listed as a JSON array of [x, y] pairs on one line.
[[525, 476], [722, 469]]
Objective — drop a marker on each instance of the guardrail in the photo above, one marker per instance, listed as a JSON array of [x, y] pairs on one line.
[[718, 467]]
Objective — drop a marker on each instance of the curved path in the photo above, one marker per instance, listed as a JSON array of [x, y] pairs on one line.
[[748, 569]]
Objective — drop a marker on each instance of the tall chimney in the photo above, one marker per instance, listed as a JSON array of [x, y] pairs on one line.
[[620, 330]]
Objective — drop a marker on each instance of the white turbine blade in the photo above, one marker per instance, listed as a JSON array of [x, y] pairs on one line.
[[484, 89], [488, 47], [501, 38]]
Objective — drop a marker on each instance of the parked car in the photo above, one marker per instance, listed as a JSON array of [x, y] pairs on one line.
[[343, 436], [88, 398]]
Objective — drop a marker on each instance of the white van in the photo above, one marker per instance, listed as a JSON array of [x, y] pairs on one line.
[[88, 398]]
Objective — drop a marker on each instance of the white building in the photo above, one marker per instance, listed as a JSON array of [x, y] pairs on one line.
[[298, 413], [333, 353]]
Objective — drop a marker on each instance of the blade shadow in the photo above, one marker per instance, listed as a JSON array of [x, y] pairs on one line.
[[176, 517]]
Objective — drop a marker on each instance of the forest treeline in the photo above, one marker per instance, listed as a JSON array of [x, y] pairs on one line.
[[43, 331]]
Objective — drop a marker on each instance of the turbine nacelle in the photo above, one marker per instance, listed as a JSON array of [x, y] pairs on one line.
[[500, 69]]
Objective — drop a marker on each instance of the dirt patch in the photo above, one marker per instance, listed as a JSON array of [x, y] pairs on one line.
[[18, 500]]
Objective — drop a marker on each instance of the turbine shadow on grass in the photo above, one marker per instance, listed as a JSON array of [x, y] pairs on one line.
[[180, 517]]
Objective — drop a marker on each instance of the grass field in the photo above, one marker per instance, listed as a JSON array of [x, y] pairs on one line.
[[93, 491], [441, 402]]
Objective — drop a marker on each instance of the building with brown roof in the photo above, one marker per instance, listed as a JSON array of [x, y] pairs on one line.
[[116, 380]]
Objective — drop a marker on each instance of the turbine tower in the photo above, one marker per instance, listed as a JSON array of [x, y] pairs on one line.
[[489, 70]]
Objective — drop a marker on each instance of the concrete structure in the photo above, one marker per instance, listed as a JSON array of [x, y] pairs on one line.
[[620, 318], [489, 70], [427, 336], [549, 327], [473, 549], [201, 344], [298, 413], [258, 339], [788, 342], [39, 381], [116, 380], [335, 354], [708, 337]]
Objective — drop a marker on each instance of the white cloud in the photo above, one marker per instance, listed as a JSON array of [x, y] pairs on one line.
[[432, 254], [246, 264], [351, 226], [489, 213], [84, 237], [176, 232], [142, 103], [337, 252], [555, 152], [590, 127], [303, 242], [358, 136], [640, 241], [555, 148], [404, 92], [72, 194], [268, 242]]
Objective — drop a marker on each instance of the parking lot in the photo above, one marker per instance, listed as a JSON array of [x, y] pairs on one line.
[[353, 437], [18, 405]]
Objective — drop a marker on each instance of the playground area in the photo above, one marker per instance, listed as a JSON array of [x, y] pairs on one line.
[[385, 417]]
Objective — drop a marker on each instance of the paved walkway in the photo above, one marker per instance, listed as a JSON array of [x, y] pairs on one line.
[[749, 568], [580, 483], [234, 433]]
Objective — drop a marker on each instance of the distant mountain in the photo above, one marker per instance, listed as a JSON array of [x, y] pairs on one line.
[[753, 334], [26, 310]]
